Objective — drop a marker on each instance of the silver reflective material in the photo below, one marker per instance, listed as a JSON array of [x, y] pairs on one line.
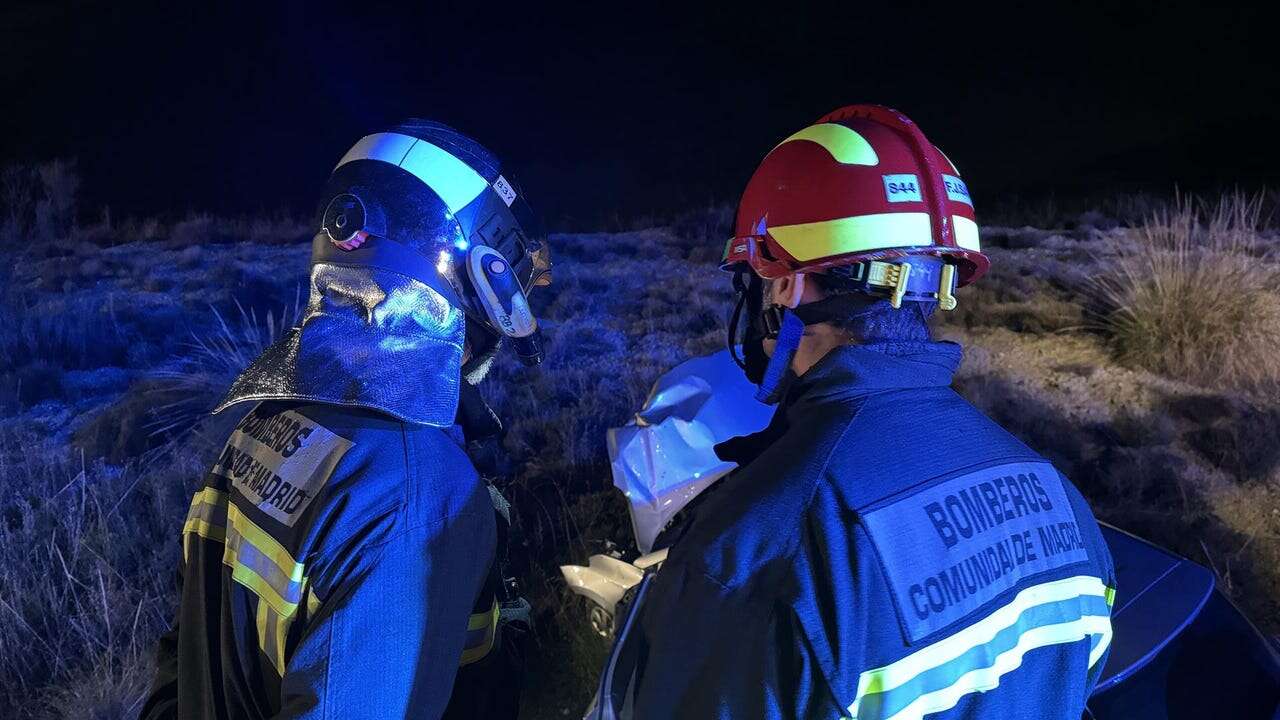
[[666, 456], [369, 338]]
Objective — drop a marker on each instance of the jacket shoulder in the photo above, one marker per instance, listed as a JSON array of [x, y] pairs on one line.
[[750, 519], [366, 474], [910, 436]]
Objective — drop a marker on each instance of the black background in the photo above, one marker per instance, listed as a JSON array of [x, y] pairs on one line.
[[604, 112]]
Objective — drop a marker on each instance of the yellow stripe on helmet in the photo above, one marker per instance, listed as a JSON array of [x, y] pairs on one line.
[[845, 145], [860, 233], [966, 233]]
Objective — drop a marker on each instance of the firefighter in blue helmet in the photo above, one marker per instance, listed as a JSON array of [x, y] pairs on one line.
[[343, 556], [883, 550]]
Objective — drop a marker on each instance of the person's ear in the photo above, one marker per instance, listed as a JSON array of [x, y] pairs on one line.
[[788, 290]]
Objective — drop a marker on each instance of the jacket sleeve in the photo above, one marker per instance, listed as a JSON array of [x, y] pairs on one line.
[[386, 639], [720, 652], [162, 702], [1103, 563]]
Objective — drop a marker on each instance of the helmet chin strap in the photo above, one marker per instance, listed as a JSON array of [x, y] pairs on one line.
[[790, 330], [787, 326], [782, 324]]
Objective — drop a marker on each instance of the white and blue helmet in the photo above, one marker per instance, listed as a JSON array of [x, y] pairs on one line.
[[423, 250], [424, 200]]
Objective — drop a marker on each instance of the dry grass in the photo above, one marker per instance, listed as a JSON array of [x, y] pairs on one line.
[[212, 361], [87, 555], [98, 334], [1189, 296]]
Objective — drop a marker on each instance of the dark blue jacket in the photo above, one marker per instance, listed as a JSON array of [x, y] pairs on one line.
[[885, 551], [335, 562]]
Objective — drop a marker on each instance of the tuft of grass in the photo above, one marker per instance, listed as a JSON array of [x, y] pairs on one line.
[[1190, 295], [213, 360], [73, 333]]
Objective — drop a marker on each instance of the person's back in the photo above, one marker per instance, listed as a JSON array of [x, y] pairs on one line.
[[334, 540], [863, 564], [884, 550], [982, 585], [341, 557]]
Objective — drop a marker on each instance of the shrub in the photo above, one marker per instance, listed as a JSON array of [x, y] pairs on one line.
[[710, 226], [71, 332], [17, 197], [56, 209], [87, 554], [193, 231], [140, 421], [211, 362], [1189, 297]]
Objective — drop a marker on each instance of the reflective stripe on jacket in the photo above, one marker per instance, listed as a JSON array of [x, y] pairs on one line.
[[336, 564]]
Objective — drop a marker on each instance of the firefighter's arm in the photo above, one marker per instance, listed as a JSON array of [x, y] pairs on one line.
[[827, 614], [716, 651], [386, 639], [1100, 553], [162, 703]]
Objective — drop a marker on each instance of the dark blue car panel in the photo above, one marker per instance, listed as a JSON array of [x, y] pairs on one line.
[[1181, 649]]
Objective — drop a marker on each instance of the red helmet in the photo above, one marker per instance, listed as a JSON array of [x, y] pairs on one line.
[[862, 184]]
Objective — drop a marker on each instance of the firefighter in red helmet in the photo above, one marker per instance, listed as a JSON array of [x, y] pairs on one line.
[[883, 550]]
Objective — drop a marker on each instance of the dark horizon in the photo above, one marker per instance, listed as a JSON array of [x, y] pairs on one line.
[[602, 114]]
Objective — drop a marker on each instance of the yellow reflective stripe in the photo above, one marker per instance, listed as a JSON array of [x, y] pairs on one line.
[[206, 518], [966, 232], [209, 496], [1068, 596], [266, 544], [246, 576], [205, 529], [275, 583], [1110, 596], [846, 145], [282, 629], [486, 622], [859, 233], [272, 630], [480, 620], [207, 515], [265, 628], [257, 561], [313, 602], [260, 563], [1103, 642]]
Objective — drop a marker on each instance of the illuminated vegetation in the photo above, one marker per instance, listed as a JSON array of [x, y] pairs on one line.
[[108, 344]]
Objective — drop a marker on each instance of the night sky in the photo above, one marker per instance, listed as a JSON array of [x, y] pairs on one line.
[[603, 112]]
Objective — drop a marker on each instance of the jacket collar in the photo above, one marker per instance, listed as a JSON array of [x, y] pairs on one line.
[[849, 372]]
